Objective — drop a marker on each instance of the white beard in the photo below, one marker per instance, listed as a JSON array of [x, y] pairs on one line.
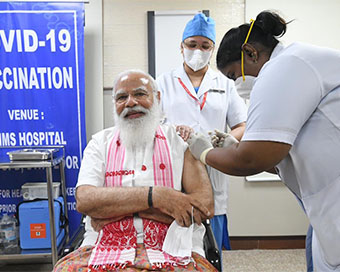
[[137, 133]]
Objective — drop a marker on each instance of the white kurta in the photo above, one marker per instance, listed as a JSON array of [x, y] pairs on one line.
[[296, 100], [93, 166], [223, 106]]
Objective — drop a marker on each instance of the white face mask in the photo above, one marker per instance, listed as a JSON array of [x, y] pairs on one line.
[[244, 87], [196, 59], [178, 240]]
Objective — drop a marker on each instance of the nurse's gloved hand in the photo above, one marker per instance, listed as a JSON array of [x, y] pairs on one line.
[[222, 139], [199, 146]]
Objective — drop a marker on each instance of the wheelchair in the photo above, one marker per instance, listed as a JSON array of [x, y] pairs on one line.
[[212, 253]]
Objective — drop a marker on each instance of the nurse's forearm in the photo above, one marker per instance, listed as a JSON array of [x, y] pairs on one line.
[[247, 158], [229, 161]]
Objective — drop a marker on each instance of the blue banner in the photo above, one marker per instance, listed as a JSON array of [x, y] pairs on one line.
[[42, 91]]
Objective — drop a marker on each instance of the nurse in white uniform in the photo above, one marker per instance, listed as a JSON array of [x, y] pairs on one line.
[[196, 96], [293, 124]]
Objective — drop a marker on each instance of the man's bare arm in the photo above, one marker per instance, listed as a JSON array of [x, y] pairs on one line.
[[104, 202], [197, 185], [107, 202], [157, 215]]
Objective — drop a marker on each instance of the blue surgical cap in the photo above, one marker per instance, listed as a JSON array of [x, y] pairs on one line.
[[200, 25]]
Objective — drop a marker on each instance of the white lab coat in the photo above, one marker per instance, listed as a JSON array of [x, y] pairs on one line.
[[223, 106], [296, 100]]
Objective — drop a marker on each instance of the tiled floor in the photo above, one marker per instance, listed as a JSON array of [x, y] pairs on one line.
[[288, 260], [291, 260]]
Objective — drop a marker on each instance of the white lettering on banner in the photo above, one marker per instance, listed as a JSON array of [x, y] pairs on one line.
[[8, 208], [23, 78], [16, 193], [30, 35], [41, 138], [38, 139], [5, 193], [23, 114], [27, 40], [7, 139], [70, 191], [71, 162], [71, 206]]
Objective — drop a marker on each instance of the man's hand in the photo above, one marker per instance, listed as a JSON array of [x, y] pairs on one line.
[[184, 131], [199, 146], [157, 215], [178, 205], [97, 224], [222, 139]]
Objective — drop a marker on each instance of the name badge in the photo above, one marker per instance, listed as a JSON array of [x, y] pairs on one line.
[[217, 90]]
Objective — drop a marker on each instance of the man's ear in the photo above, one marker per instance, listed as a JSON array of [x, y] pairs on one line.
[[250, 52], [159, 96], [182, 47]]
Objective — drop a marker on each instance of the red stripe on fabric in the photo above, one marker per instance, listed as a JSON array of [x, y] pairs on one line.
[[108, 179], [156, 159], [158, 150], [117, 151], [169, 170], [154, 162], [204, 100], [162, 172], [163, 161], [193, 97], [163, 150], [121, 165]]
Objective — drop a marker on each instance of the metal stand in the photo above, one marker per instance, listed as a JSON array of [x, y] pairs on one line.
[[42, 255]]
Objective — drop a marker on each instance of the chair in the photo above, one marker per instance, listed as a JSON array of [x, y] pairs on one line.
[[211, 250]]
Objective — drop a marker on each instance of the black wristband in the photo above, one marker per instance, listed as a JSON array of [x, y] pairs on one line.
[[150, 197]]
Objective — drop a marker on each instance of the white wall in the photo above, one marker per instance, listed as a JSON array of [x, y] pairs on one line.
[[315, 21]]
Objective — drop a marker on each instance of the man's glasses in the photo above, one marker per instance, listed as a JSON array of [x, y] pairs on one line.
[[137, 95], [195, 45]]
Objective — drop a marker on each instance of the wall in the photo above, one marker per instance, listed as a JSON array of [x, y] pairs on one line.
[[314, 21]]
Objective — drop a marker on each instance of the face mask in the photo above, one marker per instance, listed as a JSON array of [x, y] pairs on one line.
[[196, 59], [244, 87], [178, 240]]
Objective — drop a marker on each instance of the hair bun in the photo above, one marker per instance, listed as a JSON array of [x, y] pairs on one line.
[[271, 23]]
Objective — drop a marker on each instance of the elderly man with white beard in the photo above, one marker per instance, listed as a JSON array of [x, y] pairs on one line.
[[141, 190]]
